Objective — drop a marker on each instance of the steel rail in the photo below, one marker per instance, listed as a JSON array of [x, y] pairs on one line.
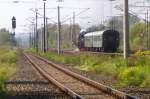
[[80, 52], [99, 53], [49, 78], [104, 88]]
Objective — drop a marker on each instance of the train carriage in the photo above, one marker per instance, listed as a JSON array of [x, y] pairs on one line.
[[106, 41]]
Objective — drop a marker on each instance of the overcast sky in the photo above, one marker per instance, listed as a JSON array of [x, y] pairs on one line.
[[99, 10]]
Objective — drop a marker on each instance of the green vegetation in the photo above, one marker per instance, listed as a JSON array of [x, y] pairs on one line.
[[139, 35], [65, 35], [137, 76], [141, 53], [4, 37], [7, 68], [132, 72]]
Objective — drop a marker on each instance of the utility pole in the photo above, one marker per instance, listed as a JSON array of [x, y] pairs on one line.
[[126, 30], [74, 30], [33, 35], [71, 36], [148, 35], [112, 19], [44, 41], [30, 40], [36, 19], [146, 28], [46, 35], [59, 31], [146, 23]]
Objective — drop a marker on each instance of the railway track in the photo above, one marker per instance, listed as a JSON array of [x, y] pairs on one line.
[[27, 83], [77, 86], [77, 52], [68, 51], [102, 53]]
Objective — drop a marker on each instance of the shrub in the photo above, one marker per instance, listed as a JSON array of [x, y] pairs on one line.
[[9, 57], [133, 71], [133, 76], [141, 53], [146, 82], [7, 68]]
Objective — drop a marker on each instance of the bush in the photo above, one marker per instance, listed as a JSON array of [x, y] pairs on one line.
[[133, 76], [90, 61], [142, 53], [7, 68], [133, 71], [9, 57], [146, 82]]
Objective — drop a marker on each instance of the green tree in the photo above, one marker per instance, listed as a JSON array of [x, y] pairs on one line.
[[4, 37], [66, 31], [96, 28], [138, 35]]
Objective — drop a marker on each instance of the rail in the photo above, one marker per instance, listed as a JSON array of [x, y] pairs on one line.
[[115, 93]]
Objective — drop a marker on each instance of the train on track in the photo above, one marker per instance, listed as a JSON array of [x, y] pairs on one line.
[[99, 41]]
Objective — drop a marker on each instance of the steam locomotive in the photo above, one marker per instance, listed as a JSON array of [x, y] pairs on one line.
[[103, 41]]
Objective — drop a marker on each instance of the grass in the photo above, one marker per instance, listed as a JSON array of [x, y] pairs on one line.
[[137, 76], [134, 71], [7, 68]]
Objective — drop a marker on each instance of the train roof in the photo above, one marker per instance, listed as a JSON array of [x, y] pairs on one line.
[[97, 33], [101, 33]]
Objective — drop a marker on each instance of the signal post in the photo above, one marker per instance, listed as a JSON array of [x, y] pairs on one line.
[[13, 31]]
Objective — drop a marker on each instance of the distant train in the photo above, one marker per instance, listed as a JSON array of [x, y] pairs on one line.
[[103, 41]]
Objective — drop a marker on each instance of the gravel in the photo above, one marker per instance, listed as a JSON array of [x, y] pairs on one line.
[[27, 83], [109, 80], [70, 82]]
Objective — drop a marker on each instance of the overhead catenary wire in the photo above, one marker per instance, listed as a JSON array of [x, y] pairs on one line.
[[41, 16], [33, 31], [76, 15], [58, 23], [65, 18]]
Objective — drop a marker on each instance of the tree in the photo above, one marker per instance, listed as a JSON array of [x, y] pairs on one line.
[[66, 32], [139, 35], [96, 28], [4, 37]]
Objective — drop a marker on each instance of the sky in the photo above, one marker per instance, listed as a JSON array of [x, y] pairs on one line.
[[98, 11]]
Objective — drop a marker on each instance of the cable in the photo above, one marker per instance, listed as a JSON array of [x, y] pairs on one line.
[[76, 15], [35, 10]]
